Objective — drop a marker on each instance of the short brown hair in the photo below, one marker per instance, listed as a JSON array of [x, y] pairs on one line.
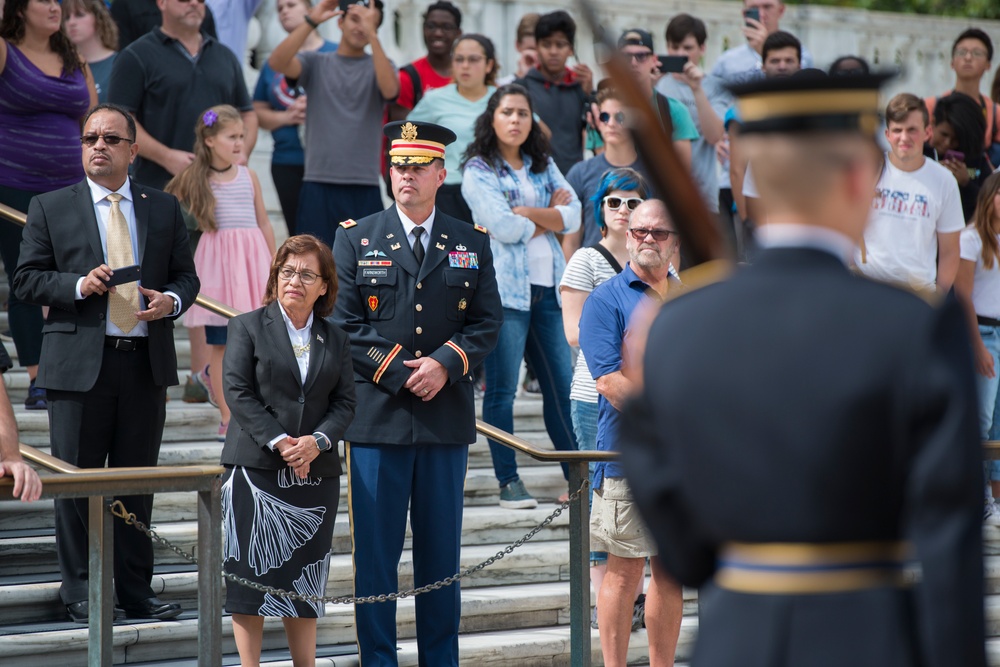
[[304, 244], [903, 105], [104, 25], [526, 26], [607, 93]]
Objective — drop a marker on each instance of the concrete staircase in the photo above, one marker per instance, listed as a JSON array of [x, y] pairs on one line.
[[515, 612]]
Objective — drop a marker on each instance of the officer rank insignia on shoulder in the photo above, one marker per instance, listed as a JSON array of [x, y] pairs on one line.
[[347, 224], [478, 228]]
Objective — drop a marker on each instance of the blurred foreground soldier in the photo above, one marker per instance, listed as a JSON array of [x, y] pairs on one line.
[[844, 435], [418, 298]]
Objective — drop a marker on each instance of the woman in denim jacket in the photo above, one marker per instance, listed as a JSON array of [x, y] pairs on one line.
[[517, 193]]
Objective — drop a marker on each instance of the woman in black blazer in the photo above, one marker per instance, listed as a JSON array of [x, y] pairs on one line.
[[289, 382]]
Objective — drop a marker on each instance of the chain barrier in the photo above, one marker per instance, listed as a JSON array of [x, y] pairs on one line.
[[118, 510]]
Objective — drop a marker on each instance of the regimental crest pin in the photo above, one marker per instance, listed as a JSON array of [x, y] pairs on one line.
[[462, 304], [396, 246], [373, 303], [364, 241], [460, 248], [389, 236], [440, 246]]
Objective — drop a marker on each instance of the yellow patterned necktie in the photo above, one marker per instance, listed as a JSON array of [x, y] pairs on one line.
[[124, 303]]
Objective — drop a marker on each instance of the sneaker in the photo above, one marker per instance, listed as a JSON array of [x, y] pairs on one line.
[[194, 390], [593, 618], [639, 613], [531, 386], [991, 513], [515, 497], [205, 380], [223, 429], [36, 398]]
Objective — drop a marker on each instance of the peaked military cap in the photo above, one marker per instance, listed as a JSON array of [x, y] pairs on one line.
[[415, 142], [810, 101]]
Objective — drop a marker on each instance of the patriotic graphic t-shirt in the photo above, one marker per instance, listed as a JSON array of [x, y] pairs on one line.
[[909, 210]]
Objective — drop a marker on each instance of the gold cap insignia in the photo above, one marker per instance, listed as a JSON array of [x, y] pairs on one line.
[[409, 132]]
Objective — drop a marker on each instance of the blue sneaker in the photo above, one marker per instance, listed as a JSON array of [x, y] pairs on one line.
[[515, 497], [36, 398]]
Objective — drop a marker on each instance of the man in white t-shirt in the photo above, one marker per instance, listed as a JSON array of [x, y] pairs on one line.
[[913, 233]]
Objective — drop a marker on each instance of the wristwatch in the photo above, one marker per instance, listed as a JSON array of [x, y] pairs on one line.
[[322, 442]]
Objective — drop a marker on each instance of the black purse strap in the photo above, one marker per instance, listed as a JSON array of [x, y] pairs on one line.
[[608, 256]]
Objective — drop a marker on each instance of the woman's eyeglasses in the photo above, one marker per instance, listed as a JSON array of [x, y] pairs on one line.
[[90, 140], [615, 203], [619, 117], [307, 277], [659, 235]]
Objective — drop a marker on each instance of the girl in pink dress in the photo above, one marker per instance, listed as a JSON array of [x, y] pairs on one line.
[[237, 242]]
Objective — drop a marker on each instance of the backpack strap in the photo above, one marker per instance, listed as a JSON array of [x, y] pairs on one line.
[[418, 88]]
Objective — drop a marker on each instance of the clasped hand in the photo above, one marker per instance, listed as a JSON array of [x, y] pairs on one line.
[[427, 379], [298, 453]]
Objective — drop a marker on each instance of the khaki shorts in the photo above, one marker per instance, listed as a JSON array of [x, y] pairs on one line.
[[615, 524]]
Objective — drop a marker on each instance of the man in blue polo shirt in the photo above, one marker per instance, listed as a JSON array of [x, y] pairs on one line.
[[615, 526]]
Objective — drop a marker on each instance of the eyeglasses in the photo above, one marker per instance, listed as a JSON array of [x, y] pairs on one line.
[[619, 117], [187, 1], [615, 203], [472, 60], [307, 277], [90, 140], [638, 57], [659, 235], [975, 53]]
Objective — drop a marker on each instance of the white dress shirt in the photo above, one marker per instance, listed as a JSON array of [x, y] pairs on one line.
[[102, 209], [408, 226]]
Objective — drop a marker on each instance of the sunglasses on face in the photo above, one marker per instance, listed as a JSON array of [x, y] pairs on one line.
[[615, 203], [659, 235], [638, 57], [90, 140], [619, 117]]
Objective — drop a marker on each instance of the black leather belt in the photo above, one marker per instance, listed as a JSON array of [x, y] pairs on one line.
[[126, 344], [987, 321]]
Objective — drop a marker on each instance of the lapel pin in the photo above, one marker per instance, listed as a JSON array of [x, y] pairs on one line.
[[439, 246], [319, 338], [143, 195], [364, 241], [460, 247], [444, 236], [396, 246], [389, 236]]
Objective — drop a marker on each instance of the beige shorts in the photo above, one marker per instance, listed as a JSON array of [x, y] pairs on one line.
[[615, 524]]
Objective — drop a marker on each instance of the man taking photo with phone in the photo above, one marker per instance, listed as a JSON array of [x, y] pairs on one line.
[[743, 63]]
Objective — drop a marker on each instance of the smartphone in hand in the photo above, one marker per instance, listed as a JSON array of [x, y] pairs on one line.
[[672, 64], [126, 274], [345, 4], [752, 13], [958, 156]]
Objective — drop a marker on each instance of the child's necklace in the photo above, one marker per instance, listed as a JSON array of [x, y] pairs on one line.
[[221, 171]]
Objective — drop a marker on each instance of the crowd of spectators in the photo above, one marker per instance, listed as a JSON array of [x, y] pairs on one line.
[[545, 163]]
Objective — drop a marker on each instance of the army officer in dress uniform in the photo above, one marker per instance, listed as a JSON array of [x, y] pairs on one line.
[[419, 300], [804, 432]]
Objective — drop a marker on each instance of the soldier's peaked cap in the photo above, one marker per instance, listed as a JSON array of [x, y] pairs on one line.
[[414, 142], [810, 101]]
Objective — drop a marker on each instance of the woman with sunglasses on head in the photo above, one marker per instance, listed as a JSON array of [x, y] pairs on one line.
[[458, 105], [585, 177], [45, 91], [517, 193], [618, 193]]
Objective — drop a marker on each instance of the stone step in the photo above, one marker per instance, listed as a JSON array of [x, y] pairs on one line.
[[545, 482], [33, 551], [524, 608]]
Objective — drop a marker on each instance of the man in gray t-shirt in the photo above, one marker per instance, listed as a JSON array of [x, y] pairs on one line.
[[347, 91]]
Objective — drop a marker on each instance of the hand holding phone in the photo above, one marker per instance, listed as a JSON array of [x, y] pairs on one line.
[[752, 13], [346, 4], [957, 156], [672, 64], [126, 274]]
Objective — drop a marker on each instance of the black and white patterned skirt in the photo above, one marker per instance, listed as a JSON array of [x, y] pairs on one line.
[[277, 531]]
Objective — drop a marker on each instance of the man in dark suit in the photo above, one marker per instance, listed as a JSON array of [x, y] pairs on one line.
[[107, 352], [804, 432], [418, 298]]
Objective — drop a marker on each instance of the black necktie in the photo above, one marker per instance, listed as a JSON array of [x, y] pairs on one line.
[[418, 247]]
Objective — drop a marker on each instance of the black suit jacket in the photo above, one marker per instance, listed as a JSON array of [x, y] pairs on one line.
[[267, 397], [797, 402], [62, 242], [397, 312]]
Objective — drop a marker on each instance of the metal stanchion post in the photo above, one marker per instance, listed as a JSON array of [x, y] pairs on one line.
[[101, 597], [579, 561]]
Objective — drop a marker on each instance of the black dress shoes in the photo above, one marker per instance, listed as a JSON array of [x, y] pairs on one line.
[[152, 607], [79, 612]]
